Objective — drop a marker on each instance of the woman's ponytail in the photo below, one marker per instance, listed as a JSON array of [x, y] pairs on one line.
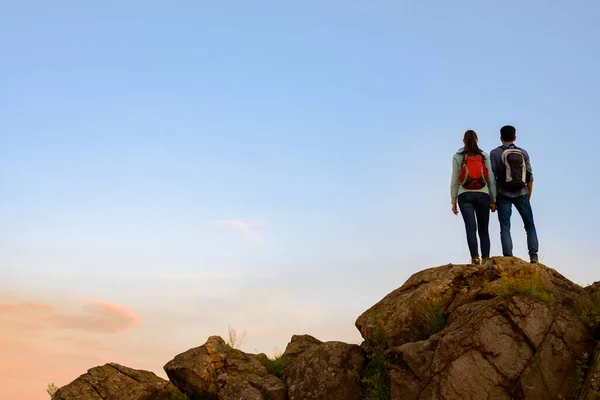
[[471, 147]]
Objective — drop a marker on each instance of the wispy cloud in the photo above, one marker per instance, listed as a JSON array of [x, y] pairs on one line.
[[96, 317], [99, 317], [245, 227]]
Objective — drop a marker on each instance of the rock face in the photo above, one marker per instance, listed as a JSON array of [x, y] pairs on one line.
[[398, 317], [216, 371], [326, 371], [499, 349], [116, 382]]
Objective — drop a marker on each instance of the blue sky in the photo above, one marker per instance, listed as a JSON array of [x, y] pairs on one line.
[[227, 162]]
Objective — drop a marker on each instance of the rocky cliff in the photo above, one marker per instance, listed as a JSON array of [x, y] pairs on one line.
[[504, 330]]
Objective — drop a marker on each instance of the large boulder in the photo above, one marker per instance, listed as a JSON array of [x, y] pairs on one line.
[[116, 382], [501, 348], [217, 371], [297, 345], [399, 317], [326, 371]]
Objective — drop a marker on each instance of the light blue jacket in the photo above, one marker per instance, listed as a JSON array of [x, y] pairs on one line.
[[456, 188]]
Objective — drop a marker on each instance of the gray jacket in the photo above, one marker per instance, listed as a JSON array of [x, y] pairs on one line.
[[456, 189]]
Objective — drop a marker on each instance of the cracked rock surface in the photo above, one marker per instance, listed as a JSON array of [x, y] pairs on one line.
[[502, 348], [326, 371], [217, 371], [398, 315], [116, 382], [493, 345]]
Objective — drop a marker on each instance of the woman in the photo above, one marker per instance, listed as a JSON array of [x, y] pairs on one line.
[[474, 186]]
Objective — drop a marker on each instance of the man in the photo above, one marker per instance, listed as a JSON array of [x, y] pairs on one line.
[[514, 178]]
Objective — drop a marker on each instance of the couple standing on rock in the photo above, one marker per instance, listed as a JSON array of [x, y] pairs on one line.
[[482, 183]]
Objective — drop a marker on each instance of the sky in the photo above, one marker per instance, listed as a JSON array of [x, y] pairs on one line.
[[168, 171]]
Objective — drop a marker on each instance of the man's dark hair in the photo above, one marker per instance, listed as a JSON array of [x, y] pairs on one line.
[[508, 133]]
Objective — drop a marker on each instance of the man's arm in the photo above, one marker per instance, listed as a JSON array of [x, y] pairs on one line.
[[529, 173], [491, 182], [492, 178], [494, 162]]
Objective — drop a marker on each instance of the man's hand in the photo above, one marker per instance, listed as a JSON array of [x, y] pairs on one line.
[[454, 209], [529, 189], [493, 207]]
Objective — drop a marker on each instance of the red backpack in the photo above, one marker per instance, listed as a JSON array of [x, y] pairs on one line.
[[473, 172]]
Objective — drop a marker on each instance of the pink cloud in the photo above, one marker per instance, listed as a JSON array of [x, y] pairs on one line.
[[58, 340], [97, 317]]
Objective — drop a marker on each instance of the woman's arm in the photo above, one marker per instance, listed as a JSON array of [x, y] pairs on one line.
[[454, 181]]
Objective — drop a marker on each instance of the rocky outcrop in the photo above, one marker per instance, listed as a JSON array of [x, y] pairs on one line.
[[504, 330], [398, 318], [327, 371], [116, 382], [501, 348], [217, 371]]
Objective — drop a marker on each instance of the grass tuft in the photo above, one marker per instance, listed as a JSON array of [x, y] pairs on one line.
[[51, 389], [235, 340], [588, 310], [432, 317], [531, 287]]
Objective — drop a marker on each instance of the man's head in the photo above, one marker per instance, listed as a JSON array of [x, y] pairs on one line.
[[508, 133]]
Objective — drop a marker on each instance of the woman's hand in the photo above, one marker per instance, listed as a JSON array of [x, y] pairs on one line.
[[454, 209], [493, 207]]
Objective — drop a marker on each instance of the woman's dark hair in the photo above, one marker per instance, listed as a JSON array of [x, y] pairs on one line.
[[471, 148]]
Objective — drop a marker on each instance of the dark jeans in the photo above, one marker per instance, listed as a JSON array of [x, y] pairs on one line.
[[475, 210], [504, 207]]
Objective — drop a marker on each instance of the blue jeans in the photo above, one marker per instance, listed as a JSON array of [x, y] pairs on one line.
[[475, 210], [504, 207]]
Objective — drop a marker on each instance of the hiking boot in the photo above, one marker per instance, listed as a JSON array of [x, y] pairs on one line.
[[534, 259], [486, 260], [476, 261]]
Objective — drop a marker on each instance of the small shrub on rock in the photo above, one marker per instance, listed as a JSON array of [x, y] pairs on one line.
[[376, 380], [588, 309], [276, 366]]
